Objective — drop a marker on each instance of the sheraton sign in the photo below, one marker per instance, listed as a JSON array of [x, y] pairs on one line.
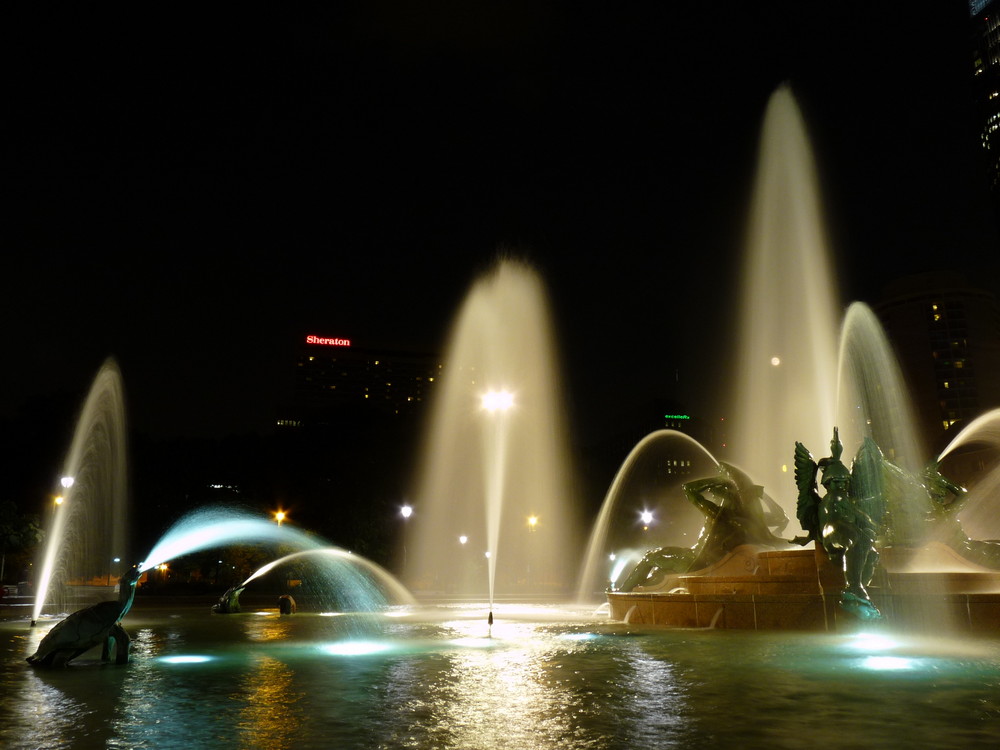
[[321, 341]]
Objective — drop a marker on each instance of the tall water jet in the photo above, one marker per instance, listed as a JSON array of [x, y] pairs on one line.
[[787, 368], [87, 529], [490, 509]]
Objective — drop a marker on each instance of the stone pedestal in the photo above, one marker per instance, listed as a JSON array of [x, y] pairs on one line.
[[799, 589]]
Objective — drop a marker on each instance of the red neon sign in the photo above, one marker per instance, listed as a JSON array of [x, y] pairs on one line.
[[320, 341]]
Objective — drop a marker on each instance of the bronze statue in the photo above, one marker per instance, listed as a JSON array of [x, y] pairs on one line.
[[97, 625], [944, 501], [845, 521], [229, 602], [742, 513]]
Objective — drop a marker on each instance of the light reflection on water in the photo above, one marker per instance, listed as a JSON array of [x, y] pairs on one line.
[[539, 678]]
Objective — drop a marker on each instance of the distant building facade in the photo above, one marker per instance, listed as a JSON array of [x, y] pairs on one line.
[[946, 334], [985, 16], [337, 375]]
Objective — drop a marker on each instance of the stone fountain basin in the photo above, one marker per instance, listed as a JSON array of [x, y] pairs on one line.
[[757, 588]]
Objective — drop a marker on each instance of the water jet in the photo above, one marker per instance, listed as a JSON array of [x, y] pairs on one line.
[[86, 530], [495, 455]]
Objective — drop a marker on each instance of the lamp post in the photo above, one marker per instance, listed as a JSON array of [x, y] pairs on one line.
[[647, 519], [280, 516], [406, 511], [114, 561]]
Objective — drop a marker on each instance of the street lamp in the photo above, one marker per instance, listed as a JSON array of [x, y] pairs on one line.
[[647, 518], [279, 516], [497, 400], [406, 511], [114, 560], [532, 522]]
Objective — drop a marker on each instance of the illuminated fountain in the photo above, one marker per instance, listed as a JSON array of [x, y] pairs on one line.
[[86, 534], [794, 385], [620, 536], [358, 584], [979, 516], [333, 580], [490, 514], [550, 677]]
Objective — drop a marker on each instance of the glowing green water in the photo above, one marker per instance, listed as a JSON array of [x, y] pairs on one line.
[[548, 678]]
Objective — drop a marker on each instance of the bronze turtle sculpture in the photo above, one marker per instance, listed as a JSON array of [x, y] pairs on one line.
[[97, 625]]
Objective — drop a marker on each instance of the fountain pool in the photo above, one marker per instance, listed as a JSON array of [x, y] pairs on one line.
[[550, 677]]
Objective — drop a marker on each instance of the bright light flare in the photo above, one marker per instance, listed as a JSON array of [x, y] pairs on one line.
[[646, 517], [406, 511], [497, 400], [67, 482]]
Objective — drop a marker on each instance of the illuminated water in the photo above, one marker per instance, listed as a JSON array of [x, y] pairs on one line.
[[549, 678], [784, 387], [979, 516], [495, 454], [327, 564], [361, 585], [640, 484], [85, 533]]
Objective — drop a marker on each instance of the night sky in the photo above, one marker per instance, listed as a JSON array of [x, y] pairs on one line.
[[191, 192]]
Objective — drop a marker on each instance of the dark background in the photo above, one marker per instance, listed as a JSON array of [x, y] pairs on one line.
[[190, 190]]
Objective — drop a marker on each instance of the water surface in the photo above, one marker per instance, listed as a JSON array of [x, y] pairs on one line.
[[549, 677]]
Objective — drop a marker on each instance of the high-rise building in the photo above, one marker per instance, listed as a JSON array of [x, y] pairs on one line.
[[986, 66], [334, 376], [946, 334]]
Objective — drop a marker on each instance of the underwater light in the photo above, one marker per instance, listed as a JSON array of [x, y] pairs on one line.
[[354, 648], [886, 663], [872, 642], [578, 636], [191, 659]]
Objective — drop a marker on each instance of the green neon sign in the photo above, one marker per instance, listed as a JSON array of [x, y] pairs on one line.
[[676, 416]]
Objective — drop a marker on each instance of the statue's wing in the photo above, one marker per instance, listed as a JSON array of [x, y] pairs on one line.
[[807, 508], [868, 480]]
